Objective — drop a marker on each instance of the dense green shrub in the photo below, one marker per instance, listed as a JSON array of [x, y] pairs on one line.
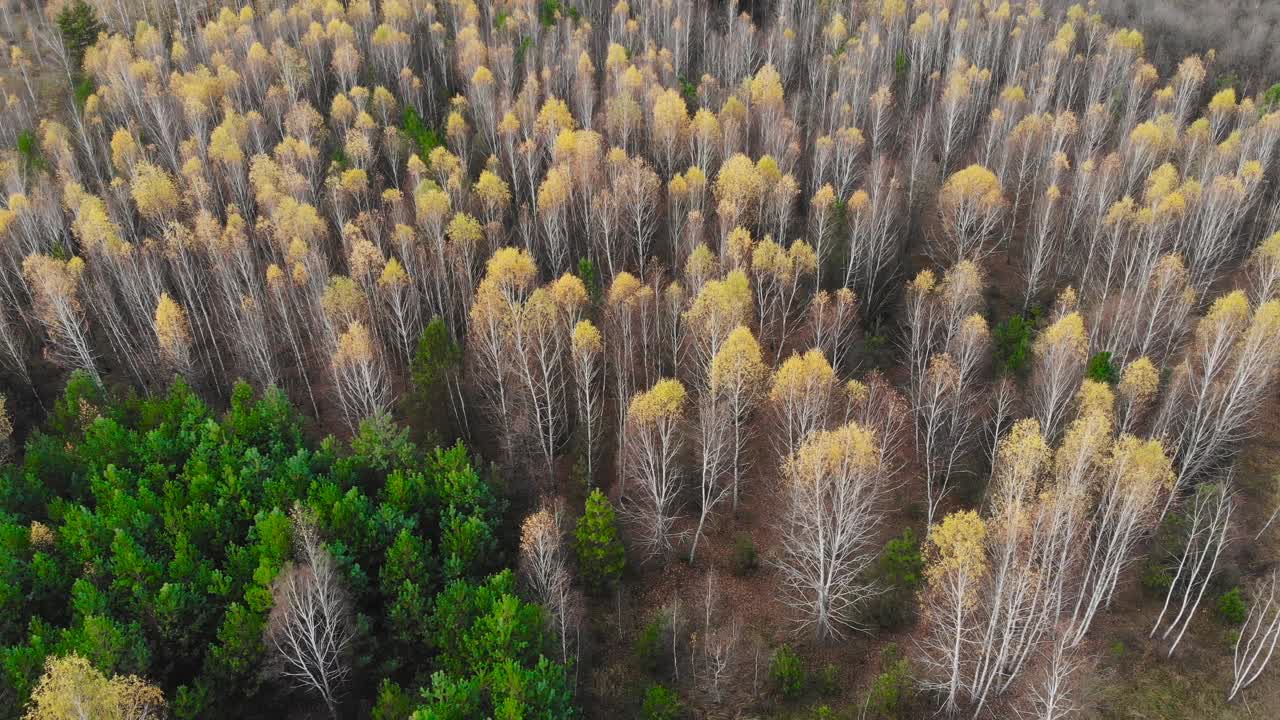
[[1012, 341], [661, 704], [424, 138], [1231, 607], [1271, 98], [1156, 578], [901, 562], [78, 22], [601, 557], [436, 361], [650, 647], [891, 689], [1101, 369], [829, 679], [787, 671], [590, 279], [745, 558], [29, 151], [900, 570]]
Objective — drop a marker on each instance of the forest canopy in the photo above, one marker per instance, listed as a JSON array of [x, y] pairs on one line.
[[146, 535]]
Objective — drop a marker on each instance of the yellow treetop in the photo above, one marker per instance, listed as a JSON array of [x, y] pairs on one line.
[[824, 198], [71, 688], [355, 346], [957, 545], [739, 182], [553, 193], [663, 402], [1141, 466], [554, 117], [173, 330], [891, 10], [766, 87], [972, 185], [1139, 381], [739, 363], [536, 528], [800, 372], [431, 203], [1160, 183], [1228, 313], [825, 454], [444, 163], [1128, 39], [739, 246], [354, 181], [702, 264], [1157, 136], [492, 190], [923, 283], [803, 258], [1265, 327], [623, 288], [768, 258], [92, 223], [456, 126], [40, 535], [124, 150], [705, 127], [154, 192], [586, 339], [393, 276], [721, 305], [1021, 458], [51, 278], [1224, 101], [465, 231], [511, 269], [769, 171], [225, 141], [670, 116], [1096, 398], [569, 293], [1066, 334]]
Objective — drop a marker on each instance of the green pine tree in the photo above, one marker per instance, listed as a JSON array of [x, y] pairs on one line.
[[600, 553]]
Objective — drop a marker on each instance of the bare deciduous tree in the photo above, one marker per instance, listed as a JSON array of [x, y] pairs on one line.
[[1210, 519], [1257, 640], [311, 629]]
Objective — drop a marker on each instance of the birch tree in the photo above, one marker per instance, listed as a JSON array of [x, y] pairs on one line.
[[834, 487], [971, 205], [1218, 388], [956, 568], [55, 293], [654, 478], [586, 347], [1060, 354], [737, 381], [311, 629], [1257, 640], [1135, 478], [800, 393], [545, 570], [1208, 522]]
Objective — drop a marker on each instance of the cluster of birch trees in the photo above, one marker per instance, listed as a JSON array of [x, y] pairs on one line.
[[658, 231]]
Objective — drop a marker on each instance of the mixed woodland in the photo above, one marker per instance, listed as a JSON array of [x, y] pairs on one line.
[[547, 359]]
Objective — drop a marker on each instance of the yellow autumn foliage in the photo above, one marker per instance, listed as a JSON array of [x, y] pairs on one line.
[[665, 401]]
